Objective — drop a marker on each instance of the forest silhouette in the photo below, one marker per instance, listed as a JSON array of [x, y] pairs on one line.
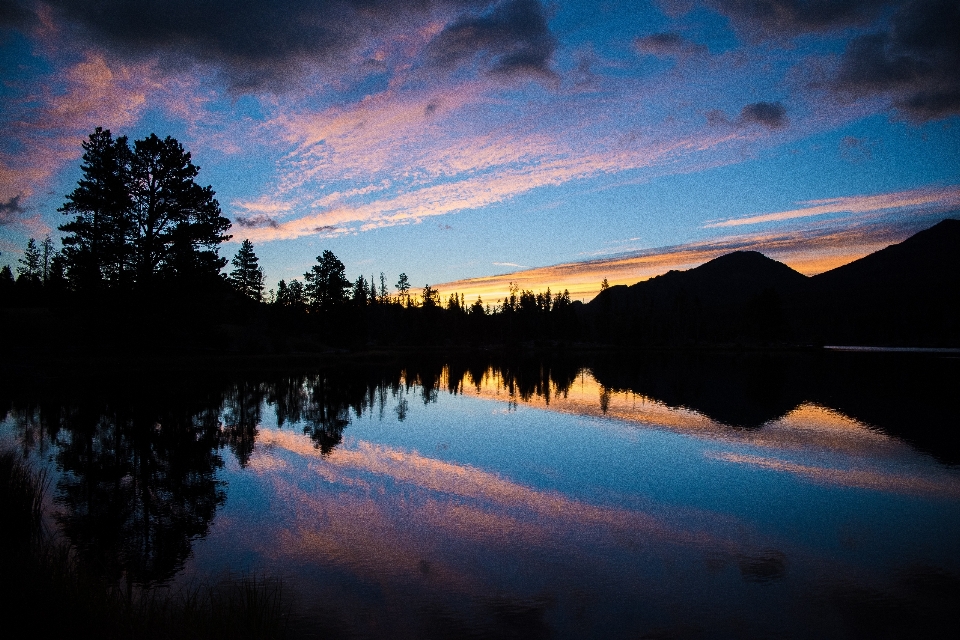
[[140, 270]]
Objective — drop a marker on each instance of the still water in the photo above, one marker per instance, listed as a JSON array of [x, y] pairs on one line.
[[811, 495]]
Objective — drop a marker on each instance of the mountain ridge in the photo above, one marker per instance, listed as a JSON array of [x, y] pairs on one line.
[[907, 294]]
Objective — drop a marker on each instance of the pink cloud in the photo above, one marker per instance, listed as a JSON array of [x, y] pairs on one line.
[[941, 199], [89, 93]]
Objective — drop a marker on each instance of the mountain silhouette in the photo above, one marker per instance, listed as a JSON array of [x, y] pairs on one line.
[[907, 294], [738, 295]]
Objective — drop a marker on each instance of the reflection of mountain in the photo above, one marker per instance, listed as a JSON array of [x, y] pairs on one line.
[[909, 396], [140, 454], [907, 294]]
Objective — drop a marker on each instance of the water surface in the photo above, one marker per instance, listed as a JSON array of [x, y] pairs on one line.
[[662, 495]]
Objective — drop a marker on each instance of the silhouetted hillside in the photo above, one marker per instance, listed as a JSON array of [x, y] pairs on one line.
[[737, 296], [905, 295]]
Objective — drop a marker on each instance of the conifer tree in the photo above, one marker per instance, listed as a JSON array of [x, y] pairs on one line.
[[247, 275], [403, 286], [98, 245], [179, 223], [139, 216], [31, 264], [326, 283], [360, 292]]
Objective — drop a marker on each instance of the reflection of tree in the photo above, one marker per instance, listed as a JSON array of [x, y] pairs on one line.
[[327, 409], [140, 457], [139, 485], [241, 417], [401, 409]]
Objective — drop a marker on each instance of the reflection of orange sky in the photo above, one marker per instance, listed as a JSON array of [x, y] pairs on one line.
[[808, 428], [947, 486], [809, 251]]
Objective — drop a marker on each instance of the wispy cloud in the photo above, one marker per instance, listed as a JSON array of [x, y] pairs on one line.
[[942, 199], [402, 157], [85, 94]]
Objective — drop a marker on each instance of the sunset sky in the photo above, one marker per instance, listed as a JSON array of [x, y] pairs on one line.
[[470, 143]]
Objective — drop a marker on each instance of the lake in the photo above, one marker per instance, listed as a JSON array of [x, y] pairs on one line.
[[607, 495]]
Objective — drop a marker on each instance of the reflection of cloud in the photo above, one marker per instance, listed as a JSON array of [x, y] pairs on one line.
[[893, 482], [807, 429], [941, 199], [494, 494]]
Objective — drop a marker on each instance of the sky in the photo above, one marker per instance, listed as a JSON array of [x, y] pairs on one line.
[[474, 143]]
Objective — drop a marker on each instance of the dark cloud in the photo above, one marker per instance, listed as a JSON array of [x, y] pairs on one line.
[[14, 13], [768, 114], [772, 115], [667, 44], [773, 18], [916, 62], [265, 44], [254, 222], [10, 211], [512, 38]]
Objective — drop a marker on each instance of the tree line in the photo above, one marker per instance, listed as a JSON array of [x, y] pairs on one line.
[[142, 237]]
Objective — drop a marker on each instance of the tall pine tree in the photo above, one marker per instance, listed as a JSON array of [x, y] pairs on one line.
[[98, 244], [140, 217], [327, 284], [179, 224], [247, 275]]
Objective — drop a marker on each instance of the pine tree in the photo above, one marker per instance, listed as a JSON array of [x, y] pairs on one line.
[[297, 296], [327, 283], [31, 264], [6, 283], [98, 245], [403, 286], [179, 223], [247, 275], [140, 216], [360, 292]]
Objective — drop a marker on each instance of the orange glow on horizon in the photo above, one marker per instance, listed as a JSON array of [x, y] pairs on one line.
[[810, 251]]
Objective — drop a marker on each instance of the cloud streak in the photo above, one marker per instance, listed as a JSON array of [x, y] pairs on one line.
[[942, 199]]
